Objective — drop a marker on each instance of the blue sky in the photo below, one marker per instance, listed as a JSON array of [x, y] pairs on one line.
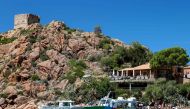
[[157, 24]]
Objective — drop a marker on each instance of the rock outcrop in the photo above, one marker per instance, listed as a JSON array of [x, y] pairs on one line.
[[33, 67]]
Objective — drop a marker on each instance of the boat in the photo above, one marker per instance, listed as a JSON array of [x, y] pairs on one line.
[[63, 104], [108, 102]]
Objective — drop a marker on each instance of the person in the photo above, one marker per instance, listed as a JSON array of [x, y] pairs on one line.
[[148, 107], [159, 106]]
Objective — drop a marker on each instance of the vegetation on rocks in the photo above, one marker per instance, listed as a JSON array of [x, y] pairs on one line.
[[106, 43], [77, 68], [32, 39], [35, 77], [26, 32], [6, 40], [43, 55], [69, 30]]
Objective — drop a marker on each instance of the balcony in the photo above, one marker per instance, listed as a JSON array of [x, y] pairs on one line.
[[131, 79]]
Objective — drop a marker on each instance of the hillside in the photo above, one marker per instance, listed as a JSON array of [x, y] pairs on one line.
[[49, 62]]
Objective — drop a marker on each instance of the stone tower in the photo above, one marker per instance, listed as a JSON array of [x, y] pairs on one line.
[[23, 20]]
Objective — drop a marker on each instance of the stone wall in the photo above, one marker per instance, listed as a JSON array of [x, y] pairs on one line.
[[33, 19], [23, 20]]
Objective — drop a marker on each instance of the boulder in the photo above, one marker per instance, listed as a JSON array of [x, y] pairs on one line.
[[62, 84], [28, 105], [56, 25], [39, 86], [56, 71], [20, 100], [27, 86], [92, 39], [42, 95], [35, 54], [24, 75], [34, 88], [11, 90], [26, 64], [4, 49], [47, 64], [2, 101], [59, 42], [55, 55], [12, 78], [52, 53], [20, 50], [78, 83], [81, 54], [76, 45]]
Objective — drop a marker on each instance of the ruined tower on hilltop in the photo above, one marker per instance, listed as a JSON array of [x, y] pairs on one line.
[[23, 20]]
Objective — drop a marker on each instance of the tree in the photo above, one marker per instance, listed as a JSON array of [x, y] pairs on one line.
[[98, 30], [138, 54], [175, 56], [115, 59], [95, 89], [167, 92]]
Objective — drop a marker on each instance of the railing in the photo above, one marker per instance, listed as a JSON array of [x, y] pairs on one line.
[[137, 79]]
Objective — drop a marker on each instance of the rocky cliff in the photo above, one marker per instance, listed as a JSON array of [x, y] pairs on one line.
[[34, 62]]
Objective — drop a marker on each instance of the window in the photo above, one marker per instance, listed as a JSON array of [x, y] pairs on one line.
[[66, 104]]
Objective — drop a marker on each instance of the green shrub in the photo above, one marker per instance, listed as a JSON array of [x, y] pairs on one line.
[[35, 77], [107, 46], [77, 64], [29, 47], [95, 89], [77, 70], [39, 38], [20, 92], [109, 62], [3, 95], [26, 32], [57, 92], [94, 58], [167, 91], [70, 30], [104, 42], [71, 77], [79, 73], [120, 92], [7, 40], [115, 59], [7, 73], [43, 55], [34, 64], [32, 39]]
